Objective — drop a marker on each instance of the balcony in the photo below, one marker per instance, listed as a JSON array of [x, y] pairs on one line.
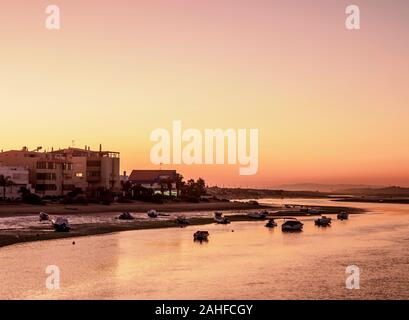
[[93, 176]]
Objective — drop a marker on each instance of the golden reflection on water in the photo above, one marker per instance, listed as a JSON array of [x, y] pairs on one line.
[[242, 260]]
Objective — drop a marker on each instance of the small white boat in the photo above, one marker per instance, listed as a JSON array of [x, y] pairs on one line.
[[182, 220], [152, 214], [126, 216], [271, 223], [61, 224], [292, 225], [220, 219], [343, 215], [163, 214], [43, 216], [258, 215], [201, 235], [323, 221]]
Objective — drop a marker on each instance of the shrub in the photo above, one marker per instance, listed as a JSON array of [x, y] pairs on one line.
[[192, 199], [32, 198], [122, 199], [76, 200]]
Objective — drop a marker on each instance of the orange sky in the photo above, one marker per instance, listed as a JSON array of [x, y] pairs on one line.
[[331, 104]]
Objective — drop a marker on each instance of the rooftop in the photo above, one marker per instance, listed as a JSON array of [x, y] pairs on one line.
[[150, 175], [87, 152]]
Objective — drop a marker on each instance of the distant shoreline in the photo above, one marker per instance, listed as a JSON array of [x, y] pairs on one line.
[[390, 200], [45, 231], [384, 194]]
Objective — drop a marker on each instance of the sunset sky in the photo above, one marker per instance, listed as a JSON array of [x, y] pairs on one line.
[[331, 104]]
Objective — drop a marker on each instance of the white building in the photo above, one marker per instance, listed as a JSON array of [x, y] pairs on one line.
[[19, 176]]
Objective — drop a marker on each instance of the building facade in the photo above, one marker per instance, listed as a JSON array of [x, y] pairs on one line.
[[48, 175], [57, 173], [93, 170]]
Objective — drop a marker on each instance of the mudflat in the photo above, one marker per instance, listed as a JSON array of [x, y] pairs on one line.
[[8, 210], [99, 219]]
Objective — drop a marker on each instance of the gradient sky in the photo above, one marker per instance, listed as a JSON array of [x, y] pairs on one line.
[[331, 104]]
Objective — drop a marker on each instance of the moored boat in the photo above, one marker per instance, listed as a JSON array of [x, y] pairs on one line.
[[152, 214], [343, 215], [323, 221], [271, 223], [220, 219], [61, 224], [201, 235], [304, 209], [126, 216], [182, 220], [258, 215], [292, 225], [43, 216]]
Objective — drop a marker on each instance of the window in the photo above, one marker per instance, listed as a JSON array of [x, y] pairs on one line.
[[67, 166], [93, 163], [41, 165], [79, 174], [46, 176], [93, 173], [52, 165]]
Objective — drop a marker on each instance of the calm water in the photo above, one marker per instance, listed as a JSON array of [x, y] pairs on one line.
[[250, 263]]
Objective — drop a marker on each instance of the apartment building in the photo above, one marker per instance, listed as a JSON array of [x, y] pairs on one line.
[[48, 175], [56, 173], [93, 170]]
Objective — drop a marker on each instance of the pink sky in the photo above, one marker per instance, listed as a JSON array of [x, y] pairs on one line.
[[331, 104]]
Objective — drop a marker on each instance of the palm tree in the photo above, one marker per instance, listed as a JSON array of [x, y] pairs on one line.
[[162, 184], [126, 187], [201, 186], [169, 182], [5, 182], [179, 184]]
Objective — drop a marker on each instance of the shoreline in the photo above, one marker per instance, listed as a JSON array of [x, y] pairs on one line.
[[44, 232], [391, 200]]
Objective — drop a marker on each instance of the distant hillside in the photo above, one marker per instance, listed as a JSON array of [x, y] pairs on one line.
[[315, 191], [321, 187], [239, 193], [388, 191]]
